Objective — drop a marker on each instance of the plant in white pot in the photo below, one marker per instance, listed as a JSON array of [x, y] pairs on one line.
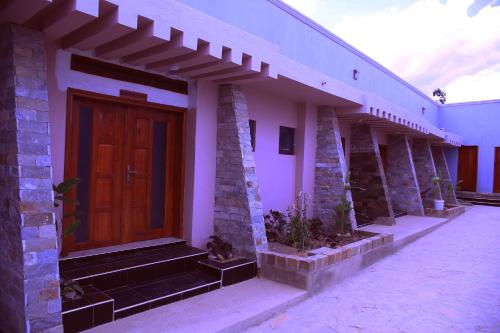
[[438, 201]]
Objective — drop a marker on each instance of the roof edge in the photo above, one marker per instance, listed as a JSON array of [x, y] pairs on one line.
[[487, 101], [325, 32]]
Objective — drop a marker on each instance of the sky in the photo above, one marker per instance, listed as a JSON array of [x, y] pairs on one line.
[[449, 44]]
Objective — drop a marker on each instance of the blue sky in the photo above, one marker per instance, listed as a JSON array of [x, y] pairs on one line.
[[450, 44]]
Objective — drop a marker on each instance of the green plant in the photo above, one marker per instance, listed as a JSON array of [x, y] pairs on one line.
[[298, 231], [437, 181], [60, 197], [275, 224], [440, 94], [344, 207], [70, 289]]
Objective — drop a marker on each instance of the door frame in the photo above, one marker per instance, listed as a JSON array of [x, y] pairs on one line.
[[496, 174], [68, 243]]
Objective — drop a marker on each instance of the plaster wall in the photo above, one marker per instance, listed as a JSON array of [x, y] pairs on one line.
[[330, 55], [275, 172], [477, 123]]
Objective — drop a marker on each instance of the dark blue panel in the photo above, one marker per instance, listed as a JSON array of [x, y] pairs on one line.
[[159, 151]]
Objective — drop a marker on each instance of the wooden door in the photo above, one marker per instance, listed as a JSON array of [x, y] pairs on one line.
[[467, 168], [496, 176], [150, 174], [129, 161]]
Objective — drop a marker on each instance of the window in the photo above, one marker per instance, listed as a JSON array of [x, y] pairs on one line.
[[253, 125], [287, 138]]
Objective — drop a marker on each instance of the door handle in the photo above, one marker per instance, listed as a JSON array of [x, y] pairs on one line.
[[130, 173]]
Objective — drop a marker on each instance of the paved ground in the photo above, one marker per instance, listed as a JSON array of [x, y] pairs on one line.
[[447, 281]]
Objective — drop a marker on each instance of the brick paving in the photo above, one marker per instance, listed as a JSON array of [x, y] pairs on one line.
[[447, 281]]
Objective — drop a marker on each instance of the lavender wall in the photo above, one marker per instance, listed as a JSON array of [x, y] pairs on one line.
[[276, 172], [267, 20], [478, 124]]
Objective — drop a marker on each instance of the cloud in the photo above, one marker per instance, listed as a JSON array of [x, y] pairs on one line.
[[430, 43], [476, 87]]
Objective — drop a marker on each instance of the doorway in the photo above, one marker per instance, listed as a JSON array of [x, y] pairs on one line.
[[467, 168], [128, 156], [496, 172]]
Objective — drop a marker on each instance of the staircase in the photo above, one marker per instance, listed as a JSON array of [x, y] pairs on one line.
[[478, 199], [123, 283]]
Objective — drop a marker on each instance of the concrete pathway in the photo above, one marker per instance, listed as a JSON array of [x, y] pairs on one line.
[[447, 281]]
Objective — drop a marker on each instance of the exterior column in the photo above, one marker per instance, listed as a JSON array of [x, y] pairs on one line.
[[238, 207], [29, 274], [401, 176], [373, 203], [330, 169], [447, 189], [426, 170]]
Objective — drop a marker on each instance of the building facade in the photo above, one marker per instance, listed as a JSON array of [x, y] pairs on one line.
[[184, 119]]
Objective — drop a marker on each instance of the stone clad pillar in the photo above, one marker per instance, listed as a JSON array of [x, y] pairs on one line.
[[29, 275], [373, 203], [401, 176], [330, 168], [425, 170], [238, 207], [447, 189]]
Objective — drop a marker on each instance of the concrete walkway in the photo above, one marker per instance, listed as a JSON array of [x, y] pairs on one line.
[[447, 281]]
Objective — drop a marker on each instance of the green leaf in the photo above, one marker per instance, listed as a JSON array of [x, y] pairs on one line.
[[66, 185], [71, 228]]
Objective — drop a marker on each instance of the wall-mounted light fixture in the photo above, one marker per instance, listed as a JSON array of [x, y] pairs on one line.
[[423, 110], [323, 83], [355, 74]]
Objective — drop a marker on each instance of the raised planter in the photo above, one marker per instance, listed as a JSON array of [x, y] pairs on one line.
[[311, 271], [447, 212]]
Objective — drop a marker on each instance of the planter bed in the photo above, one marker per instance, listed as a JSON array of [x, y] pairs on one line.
[[304, 271], [448, 212]]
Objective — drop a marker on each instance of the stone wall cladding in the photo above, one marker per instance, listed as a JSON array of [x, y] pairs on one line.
[[447, 188], [29, 274], [304, 272], [401, 177], [372, 203], [238, 207], [425, 170], [330, 168]]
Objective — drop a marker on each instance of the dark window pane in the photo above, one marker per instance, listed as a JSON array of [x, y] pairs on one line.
[[286, 142], [253, 125], [158, 175], [83, 171]]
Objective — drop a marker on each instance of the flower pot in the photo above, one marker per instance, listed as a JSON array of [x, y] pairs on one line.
[[439, 204]]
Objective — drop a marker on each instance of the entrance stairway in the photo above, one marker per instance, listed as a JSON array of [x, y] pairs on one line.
[[123, 283], [479, 200]]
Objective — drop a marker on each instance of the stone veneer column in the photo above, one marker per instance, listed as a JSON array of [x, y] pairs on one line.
[[238, 207], [29, 275], [442, 169], [425, 169], [330, 168], [374, 202], [401, 176]]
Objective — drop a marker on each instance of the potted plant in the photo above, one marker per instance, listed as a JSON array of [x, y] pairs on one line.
[[438, 201]]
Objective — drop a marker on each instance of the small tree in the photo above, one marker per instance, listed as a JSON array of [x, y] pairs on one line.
[[440, 94], [344, 208]]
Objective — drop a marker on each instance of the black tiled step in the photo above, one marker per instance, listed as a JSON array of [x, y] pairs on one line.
[[141, 297], [231, 272], [116, 266], [93, 309], [399, 213]]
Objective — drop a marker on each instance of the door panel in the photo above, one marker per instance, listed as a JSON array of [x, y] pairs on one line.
[[467, 167], [496, 181], [105, 195]]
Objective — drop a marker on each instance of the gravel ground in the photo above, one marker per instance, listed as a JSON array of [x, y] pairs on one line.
[[447, 281]]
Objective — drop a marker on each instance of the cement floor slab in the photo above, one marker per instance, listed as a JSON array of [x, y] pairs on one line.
[[230, 309]]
